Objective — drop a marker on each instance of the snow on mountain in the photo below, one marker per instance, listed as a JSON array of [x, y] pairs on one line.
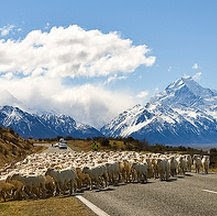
[[25, 124], [64, 125], [188, 92], [183, 113], [43, 126]]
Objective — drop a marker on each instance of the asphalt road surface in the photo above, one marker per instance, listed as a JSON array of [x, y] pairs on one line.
[[52, 149], [194, 195]]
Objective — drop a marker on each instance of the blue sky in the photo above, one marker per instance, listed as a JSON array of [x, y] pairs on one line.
[[179, 34]]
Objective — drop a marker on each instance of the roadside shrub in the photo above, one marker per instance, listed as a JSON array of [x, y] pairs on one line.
[[105, 142], [213, 158], [95, 146]]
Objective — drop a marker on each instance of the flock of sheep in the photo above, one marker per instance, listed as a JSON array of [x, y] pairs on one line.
[[50, 174]]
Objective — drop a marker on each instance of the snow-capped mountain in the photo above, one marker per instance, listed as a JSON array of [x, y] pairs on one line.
[[184, 113], [64, 125], [43, 126], [186, 91]]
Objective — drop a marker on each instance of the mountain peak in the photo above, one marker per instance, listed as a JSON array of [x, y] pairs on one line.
[[186, 91], [183, 81]]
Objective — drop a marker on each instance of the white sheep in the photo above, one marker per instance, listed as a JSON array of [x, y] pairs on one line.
[[205, 164], [63, 179], [141, 170], [35, 184], [197, 163], [163, 169], [173, 165], [97, 174], [113, 169]]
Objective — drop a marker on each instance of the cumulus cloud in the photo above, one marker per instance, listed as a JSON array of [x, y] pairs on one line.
[[72, 52], [33, 70], [5, 30]]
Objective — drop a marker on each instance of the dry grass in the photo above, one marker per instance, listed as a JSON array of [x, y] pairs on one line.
[[80, 145], [57, 206], [14, 148]]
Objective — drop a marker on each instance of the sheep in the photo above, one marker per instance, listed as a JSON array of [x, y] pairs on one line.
[[64, 178], [141, 170], [150, 168], [83, 178], [163, 169], [113, 169], [125, 169], [34, 184], [189, 162], [205, 164], [6, 190], [97, 174], [182, 165], [197, 163], [50, 185], [88, 168], [19, 191], [173, 166], [155, 168]]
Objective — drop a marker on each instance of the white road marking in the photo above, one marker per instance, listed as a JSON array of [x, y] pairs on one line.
[[209, 191], [90, 205]]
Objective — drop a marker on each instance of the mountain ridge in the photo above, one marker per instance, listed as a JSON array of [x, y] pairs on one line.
[[45, 125], [184, 112]]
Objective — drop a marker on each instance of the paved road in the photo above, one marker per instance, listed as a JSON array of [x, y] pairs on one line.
[[182, 197], [52, 149]]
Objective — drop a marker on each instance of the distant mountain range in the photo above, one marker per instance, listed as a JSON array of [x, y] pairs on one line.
[[43, 126], [184, 113]]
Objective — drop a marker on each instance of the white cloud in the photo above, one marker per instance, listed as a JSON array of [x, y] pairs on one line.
[[197, 76], [93, 103], [195, 66], [114, 78], [33, 68], [142, 95], [5, 30], [88, 103], [73, 52]]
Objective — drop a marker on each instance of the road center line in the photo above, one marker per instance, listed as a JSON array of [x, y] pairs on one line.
[[209, 191], [91, 206]]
